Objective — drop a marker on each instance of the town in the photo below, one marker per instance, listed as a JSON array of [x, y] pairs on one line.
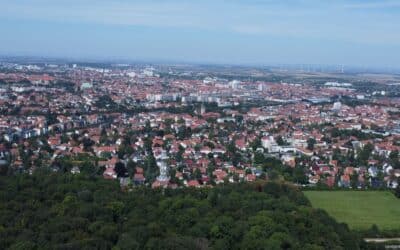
[[170, 126]]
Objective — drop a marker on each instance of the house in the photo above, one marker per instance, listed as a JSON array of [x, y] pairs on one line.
[[376, 183], [391, 182], [373, 171], [372, 162], [304, 151], [250, 177], [397, 173], [270, 144], [219, 175], [314, 179], [54, 141], [110, 173], [124, 181], [241, 144], [361, 181], [193, 183], [139, 179], [289, 160], [160, 184], [344, 181], [205, 179], [205, 150], [330, 181], [105, 149], [387, 169], [219, 150], [77, 150], [75, 170], [334, 163], [179, 175], [349, 171]]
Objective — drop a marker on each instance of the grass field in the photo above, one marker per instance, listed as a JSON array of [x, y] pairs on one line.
[[359, 209]]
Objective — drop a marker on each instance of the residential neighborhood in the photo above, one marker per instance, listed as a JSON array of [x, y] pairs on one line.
[[145, 126]]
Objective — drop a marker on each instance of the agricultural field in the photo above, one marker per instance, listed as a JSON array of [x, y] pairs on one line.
[[359, 209]]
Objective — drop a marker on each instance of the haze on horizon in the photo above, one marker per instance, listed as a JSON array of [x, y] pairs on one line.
[[349, 32]]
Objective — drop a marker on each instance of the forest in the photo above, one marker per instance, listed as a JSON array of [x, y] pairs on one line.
[[54, 211]]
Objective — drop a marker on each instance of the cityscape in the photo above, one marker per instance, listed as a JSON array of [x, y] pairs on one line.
[[176, 126], [153, 126]]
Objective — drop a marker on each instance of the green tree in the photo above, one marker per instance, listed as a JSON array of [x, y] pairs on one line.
[[365, 153], [354, 180], [310, 143], [259, 158], [280, 141]]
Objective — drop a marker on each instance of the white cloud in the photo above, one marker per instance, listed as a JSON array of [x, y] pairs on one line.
[[309, 19]]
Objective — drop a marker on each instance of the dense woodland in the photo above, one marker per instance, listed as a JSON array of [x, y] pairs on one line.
[[53, 211]]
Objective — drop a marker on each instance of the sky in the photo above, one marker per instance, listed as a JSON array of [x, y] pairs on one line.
[[257, 32]]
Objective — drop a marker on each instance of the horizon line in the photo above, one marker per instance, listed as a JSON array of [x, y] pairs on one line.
[[118, 59]]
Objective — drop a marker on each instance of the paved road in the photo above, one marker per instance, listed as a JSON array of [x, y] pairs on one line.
[[381, 240]]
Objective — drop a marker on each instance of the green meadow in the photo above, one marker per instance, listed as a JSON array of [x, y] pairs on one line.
[[359, 209]]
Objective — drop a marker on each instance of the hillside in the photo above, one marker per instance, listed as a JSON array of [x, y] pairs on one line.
[[80, 212]]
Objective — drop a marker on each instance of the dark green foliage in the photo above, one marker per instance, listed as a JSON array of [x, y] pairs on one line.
[[344, 134], [80, 212], [120, 169], [150, 168], [397, 192], [310, 143], [280, 141], [106, 102], [51, 118], [259, 158], [365, 153], [255, 144]]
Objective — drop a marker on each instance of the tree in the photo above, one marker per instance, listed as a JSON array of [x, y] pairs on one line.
[[54, 211], [120, 169], [335, 132], [365, 153], [394, 155], [255, 144], [273, 175], [397, 191], [299, 176], [197, 174], [64, 138], [23, 245], [150, 168], [123, 150], [336, 154], [231, 147], [130, 166], [179, 157], [87, 144], [259, 158], [373, 231], [172, 175], [280, 141], [127, 242], [354, 180], [310, 143], [51, 118]]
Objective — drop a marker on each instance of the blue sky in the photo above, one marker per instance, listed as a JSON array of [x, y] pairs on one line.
[[349, 32]]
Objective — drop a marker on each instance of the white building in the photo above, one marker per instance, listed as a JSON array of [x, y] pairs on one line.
[[337, 106], [234, 84], [269, 143]]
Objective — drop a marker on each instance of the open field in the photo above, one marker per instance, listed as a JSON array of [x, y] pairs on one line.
[[359, 209]]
